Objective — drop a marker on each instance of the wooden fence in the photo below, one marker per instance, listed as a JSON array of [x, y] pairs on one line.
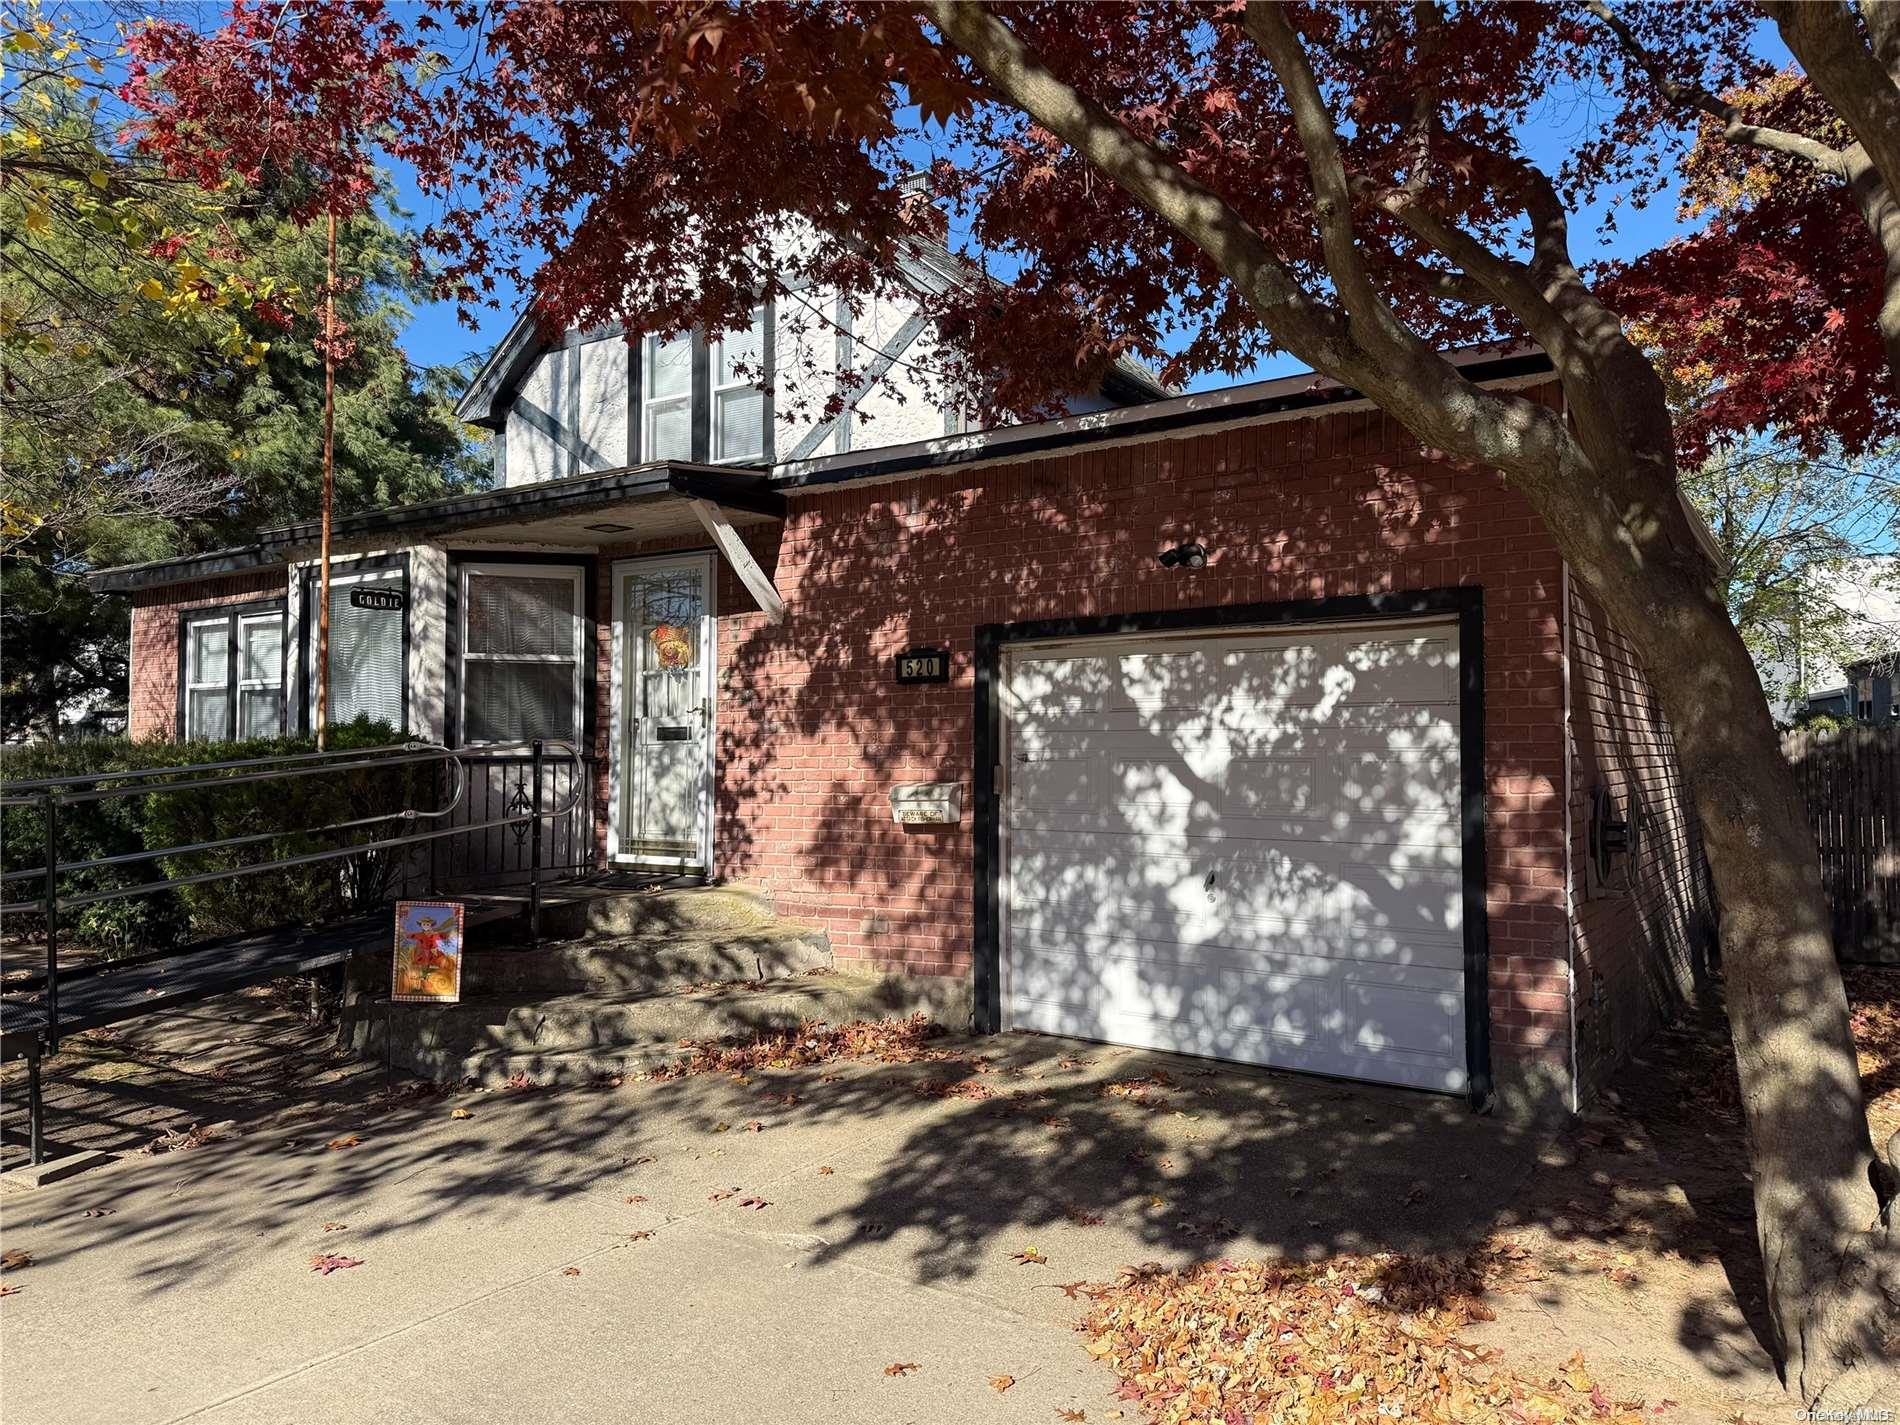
[[1851, 778]]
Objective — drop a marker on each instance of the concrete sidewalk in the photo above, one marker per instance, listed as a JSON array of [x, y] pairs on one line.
[[895, 1206]]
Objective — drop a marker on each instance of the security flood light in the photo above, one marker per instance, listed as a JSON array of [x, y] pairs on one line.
[[1184, 556]]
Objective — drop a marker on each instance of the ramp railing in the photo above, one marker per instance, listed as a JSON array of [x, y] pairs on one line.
[[52, 795]]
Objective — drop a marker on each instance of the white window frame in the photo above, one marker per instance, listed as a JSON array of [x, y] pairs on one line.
[[575, 576], [762, 386], [649, 403], [221, 684], [241, 685]]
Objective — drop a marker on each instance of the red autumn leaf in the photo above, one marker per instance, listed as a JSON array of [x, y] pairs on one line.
[[328, 1262], [902, 1368]]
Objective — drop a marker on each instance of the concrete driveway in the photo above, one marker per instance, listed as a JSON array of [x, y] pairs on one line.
[[600, 1255]]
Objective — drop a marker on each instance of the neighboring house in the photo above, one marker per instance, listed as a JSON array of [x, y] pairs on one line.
[[1843, 650], [1865, 690], [1234, 723]]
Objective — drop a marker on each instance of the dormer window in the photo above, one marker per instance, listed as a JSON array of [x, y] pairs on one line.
[[738, 402], [666, 389]]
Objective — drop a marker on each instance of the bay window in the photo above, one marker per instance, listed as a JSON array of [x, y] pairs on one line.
[[231, 682], [522, 645]]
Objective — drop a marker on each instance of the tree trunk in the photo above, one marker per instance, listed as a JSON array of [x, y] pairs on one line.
[[1833, 1287]]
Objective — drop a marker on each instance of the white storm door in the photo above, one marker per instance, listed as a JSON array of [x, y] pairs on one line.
[[1245, 847], [664, 666]]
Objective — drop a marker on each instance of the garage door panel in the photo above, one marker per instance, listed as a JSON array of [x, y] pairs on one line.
[[1414, 886], [1229, 927], [1425, 969], [1248, 1044], [1247, 846]]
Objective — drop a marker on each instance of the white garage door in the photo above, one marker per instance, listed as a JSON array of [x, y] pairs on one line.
[[1240, 846]]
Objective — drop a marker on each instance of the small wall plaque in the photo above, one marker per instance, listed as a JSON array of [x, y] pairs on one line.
[[927, 803], [923, 665], [385, 600]]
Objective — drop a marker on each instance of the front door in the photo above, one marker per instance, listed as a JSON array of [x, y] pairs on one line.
[[663, 694]]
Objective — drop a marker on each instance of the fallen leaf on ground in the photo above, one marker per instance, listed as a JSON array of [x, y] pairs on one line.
[[570, 1271], [349, 1140], [722, 1127], [636, 1162], [757, 1204], [99, 1212], [460, 1113], [1082, 1217], [14, 1259], [1064, 1413], [824, 1172], [328, 1262], [639, 1236], [1029, 1256], [901, 1368], [754, 1126], [334, 1226], [999, 1384], [1072, 1289], [520, 1080], [636, 1197], [9, 1290]]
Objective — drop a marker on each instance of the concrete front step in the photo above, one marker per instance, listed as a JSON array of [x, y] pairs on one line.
[[637, 964], [573, 912], [582, 1037]]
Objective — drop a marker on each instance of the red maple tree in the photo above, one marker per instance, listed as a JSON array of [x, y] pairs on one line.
[[1200, 185]]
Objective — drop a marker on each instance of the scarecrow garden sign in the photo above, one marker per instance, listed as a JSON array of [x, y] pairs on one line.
[[428, 962]]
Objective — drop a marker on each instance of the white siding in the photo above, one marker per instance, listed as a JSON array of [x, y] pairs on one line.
[[537, 423]]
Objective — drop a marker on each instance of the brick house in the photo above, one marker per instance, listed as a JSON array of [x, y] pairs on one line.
[[1233, 723]]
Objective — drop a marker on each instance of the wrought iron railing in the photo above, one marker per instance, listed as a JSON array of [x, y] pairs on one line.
[[54, 794], [501, 780]]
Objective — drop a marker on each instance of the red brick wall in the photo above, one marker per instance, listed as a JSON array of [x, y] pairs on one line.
[[1642, 931], [812, 730], [152, 701]]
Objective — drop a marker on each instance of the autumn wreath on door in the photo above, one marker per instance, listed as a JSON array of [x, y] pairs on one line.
[[672, 645]]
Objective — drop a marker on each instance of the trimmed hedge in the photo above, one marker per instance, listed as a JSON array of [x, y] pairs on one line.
[[159, 818]]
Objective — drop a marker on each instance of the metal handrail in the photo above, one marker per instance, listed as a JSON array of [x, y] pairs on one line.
[[52, 793], [422, 752]]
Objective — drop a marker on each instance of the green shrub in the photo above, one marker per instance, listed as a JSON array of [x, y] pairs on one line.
[[160, 818]]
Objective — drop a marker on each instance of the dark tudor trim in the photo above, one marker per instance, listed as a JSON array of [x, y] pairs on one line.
[[307, 627], [230, 613], [1466, 603], [587, 653]]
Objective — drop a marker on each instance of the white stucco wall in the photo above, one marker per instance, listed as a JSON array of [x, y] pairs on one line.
[[603, 405], [535, 448]]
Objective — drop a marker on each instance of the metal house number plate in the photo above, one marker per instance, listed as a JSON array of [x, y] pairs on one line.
[[923, 665]]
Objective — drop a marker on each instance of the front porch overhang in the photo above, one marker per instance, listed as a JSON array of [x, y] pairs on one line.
[[642, 502]]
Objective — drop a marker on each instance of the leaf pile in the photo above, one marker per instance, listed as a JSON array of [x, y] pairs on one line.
[[889, 1041], [1874, 999], [1350, 1338]]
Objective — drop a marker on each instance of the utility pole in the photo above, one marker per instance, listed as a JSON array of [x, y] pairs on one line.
[[329, 487]]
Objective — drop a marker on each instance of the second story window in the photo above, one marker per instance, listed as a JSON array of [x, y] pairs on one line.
[[666, 398], [738, 397]]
